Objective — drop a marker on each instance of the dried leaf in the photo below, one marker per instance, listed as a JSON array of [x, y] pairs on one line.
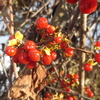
[[38, 79], [29, 84], [22, 86]]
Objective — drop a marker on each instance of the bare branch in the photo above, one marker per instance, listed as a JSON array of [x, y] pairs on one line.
[[78, 95]]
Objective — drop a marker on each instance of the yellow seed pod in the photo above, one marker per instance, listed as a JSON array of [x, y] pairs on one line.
[[12, 42], [19, 36], [97, 48], [61, 95], [45, 50], [91, 62]]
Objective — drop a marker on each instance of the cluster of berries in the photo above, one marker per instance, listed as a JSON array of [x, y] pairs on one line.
[[67, 83], [57, 96], [85, 6], [88, 66], [70, 80], [89, 92], [29, 52]]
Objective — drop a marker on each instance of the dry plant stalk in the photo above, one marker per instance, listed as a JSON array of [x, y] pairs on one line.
[[2, 4]]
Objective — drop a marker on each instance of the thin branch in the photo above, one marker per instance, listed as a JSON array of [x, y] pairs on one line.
[[8, 27], [56, 3], [78, 95], [11, 16], [79, 49], [12, 31], [72, 23], [85, 51], [15, 69], [4, 68], [50, 39], [73, 20], [82, 54], [39, 10]]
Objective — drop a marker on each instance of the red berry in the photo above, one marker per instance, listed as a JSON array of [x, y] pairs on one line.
[[63, 45], [23, 58], [88, 6], [72, 1], [75, 80], [63, 83], [70, 83], [34, 55], [70, 98], [74, 98], [53, 55], [41, 22], [97, 57], [53, 69], [97, 44], [90, 94], [10, 51], [12, 37], [31, 65], [62, 73], [50, 29], [87, 89], [88, 67], [47, 98], [29, 45], [46, 83], [76, 76], [19, 50], [47, 59], [57, 39], [69, 51], [50, 43], [68, 89], [54, 80], [68, 75], [15, 58], [37, 30], [48, 94]]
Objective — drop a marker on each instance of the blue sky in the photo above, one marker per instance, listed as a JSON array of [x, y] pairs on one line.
[[4, 39]]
